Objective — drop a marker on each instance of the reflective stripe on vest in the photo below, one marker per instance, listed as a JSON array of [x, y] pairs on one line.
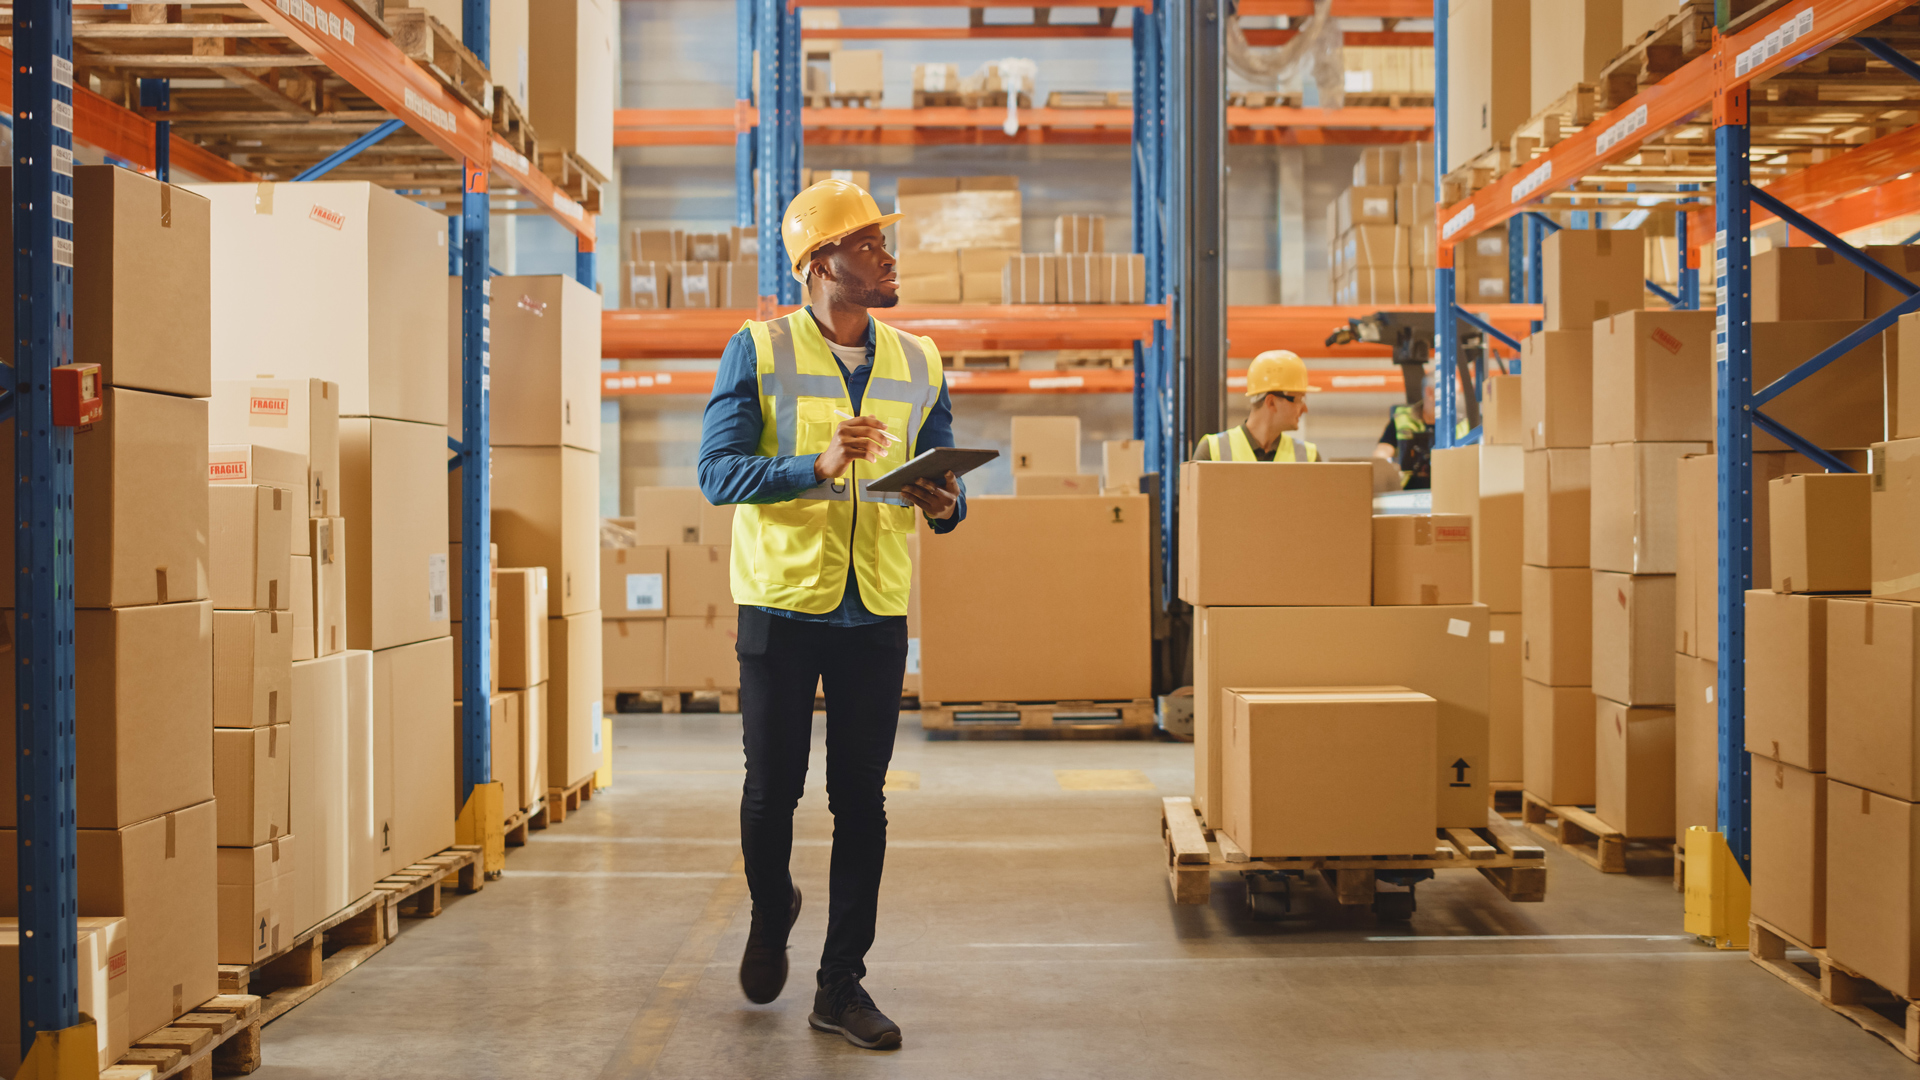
[[1233, 445]]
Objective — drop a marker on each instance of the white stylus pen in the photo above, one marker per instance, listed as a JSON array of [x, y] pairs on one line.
[[883, 431]]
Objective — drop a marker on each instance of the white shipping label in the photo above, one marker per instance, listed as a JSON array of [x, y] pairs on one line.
[[1497, 637], [1459, 627], [1376, 207], [913, 656], [598, 726], [437, 587], [646, 592]]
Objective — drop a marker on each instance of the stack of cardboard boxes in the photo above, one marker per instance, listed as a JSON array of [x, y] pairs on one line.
[[1489, 77], [1340, 688], [572, 58], [680, 268], [1046, 457], [1388, 69], [1079, 271], [1382, 230], [1485, 484], [671, 622], [957, 237]]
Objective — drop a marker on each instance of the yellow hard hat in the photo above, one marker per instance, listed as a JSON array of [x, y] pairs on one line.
[[1278, 371], [823, 214]]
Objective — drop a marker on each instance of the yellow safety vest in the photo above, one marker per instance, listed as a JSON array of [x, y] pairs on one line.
[[1235, 446], [794, 555]]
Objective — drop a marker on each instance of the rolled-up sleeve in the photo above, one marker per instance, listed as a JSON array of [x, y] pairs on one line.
[[732, 469], [938, 431]]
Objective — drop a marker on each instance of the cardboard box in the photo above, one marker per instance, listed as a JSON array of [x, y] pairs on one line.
[[252, 668], [1696, 556], [1488, 483], [1795, 284], [646, 286], [656, 245], [354, 294], [100, 956], [1817, 522], [1231, 511], [1489, 81], [1556, 625], [1842, 405], [857, 71], [1422, 559], [670, 515], [245, 463], [928, 277], [742, 284], [1696, 746], [634, 653], [533, 744], [1124, 278], [633, 582], [300, 417], [545, 335], [396, 557], [1365, 204], [1500, 411], [1378, 165], [369, 828], [573, 696], [251, 769], [412, 702], [1413, 207], [704, 247], [1572, 42], [1046, 444], [572, 69], [143, 701], [1872, 719], [1077, 279], [1787, 678], [1632, 655], [1634, 523], [1079, 232], [698, 284], [1094, 648], [546, 513], [1901, 352], [1653, 377], [1329, 771], [330, 585], [936, 78], [1558, 744], [1633, 768], [1557, 508], [503, 710], [1043, 484], [303, 611], [160, 875], [1590, 274], [1894, 504], [1504, 698], [1556, 394], [1028, 279], [1790, 849], [698, 581], [1122, 463], [982, 275], [1367, 246], [952, 221], [523, 627], [256, 900], [249, 534], [1379, 285], [317, 787], [1872, 913], [1881, 297]]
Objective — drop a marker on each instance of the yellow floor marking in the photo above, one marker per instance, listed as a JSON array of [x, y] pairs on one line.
[[1102, 780], [901, 780]]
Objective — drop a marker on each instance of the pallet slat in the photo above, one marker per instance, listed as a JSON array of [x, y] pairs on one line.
[[1845, 992]]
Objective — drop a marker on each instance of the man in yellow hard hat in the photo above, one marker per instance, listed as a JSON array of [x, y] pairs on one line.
[[1276, 389], [806, 410]]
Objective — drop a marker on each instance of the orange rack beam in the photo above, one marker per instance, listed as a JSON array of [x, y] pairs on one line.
[[716, 127], [1385, 380]]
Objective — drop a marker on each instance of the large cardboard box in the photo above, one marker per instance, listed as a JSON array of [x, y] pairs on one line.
[[533, 744], [1029, 279], [982, 274], [1441, 652], [1873, 906], [1422, 559], [546, 512], [701, 653], [857, 71], [1122, 463], [1046, 444], [1653, 377], [523, 627], [1489, 483], [1505, 729], [1043, 484], [370, 764], [506, 38], [249, 535], [1901, 353], [1559, 744], [1556, 620], [1329, 770], [1500, 412], [1556, 394], [140, 272], [572, 78], [317, 787], [1559, 498], [160, 875], [633, 653], [1696, 746], [1843, 405], [678, 515], [1572, 40], [1632, 653], [329, 580], [545, 341], [1873, 723], [302, 615], [1790, 849], [300, 417], [1818, 522], [245, 463], [252, 668], [698, 581], [355, 293], [251, 771], [1489, 80], [1079, 588], [412, 702], [1902, 260], [507, 734], [1635, 517], [1696, 556], [633, 582], [100, 955], [1590, 274], [1232, 511], [1799, 284], [1787, 678], [954, 220], [256, 898], [397, 575], [573, 697], [143, 704], [1633, 768], [1894, 506]]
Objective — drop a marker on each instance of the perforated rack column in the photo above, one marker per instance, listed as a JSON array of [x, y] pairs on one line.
[[475, 455], [1733, 443]]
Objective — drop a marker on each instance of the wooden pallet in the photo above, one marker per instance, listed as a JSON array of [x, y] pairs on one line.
[[674, 701], [522, 824], [936, 99], [567, 800], [1079, 99], [981, 359], [580, 181], [1114, 359], [1501, 853], [865, 100], [1584, 836], [415, 890], [429, 42], [511, 124], [1854, 996], [1071, 718], [221, 1036], [1503, 798]]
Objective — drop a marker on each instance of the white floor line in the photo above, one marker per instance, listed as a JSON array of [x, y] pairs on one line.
[[618, 873], [1443, 938], [1053, 945]]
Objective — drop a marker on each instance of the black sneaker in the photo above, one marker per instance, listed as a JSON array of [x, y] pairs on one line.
[[763, 969], [843, 1008]]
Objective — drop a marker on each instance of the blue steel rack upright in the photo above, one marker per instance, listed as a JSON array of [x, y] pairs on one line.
[[474, 454]]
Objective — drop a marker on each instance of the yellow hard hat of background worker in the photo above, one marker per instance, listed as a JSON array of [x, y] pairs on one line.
[[824, 213], [1278, 371]]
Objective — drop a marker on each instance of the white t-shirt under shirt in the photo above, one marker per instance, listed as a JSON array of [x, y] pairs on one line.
[[852, 357]]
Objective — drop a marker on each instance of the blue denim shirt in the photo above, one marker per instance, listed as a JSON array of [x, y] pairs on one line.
[[732, 469]]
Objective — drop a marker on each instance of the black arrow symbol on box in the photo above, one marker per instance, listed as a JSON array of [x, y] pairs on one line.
[[1459, 768]]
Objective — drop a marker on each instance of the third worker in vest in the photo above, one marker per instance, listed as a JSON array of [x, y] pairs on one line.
[[1276, 390], [806, 410], [1408, 439]]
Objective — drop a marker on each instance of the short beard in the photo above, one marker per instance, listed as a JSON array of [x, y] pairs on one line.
[[868, 296]]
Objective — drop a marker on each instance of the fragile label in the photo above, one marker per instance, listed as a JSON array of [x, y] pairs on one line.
[[646, 592], [1459, 627], [1667, 341], [267, 408], [227, 472], [332, 219], [437, 587], [1462, 533]]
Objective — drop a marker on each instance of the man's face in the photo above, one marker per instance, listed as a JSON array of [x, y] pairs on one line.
[[858, 271], [1288, 413]]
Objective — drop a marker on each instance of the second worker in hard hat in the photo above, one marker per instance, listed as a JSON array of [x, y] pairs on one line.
[[1277, 387]]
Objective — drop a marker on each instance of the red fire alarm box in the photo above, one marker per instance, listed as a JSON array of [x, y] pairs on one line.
[[77, 397]]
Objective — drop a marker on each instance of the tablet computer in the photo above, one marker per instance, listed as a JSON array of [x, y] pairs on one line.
[[934, 465]]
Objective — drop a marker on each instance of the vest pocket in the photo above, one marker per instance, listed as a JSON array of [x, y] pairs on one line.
[[792, 542]]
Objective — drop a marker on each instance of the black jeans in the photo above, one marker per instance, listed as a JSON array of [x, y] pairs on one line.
[[862, 666]]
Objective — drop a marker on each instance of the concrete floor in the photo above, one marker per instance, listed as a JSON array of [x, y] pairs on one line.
[[1026, 932]]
